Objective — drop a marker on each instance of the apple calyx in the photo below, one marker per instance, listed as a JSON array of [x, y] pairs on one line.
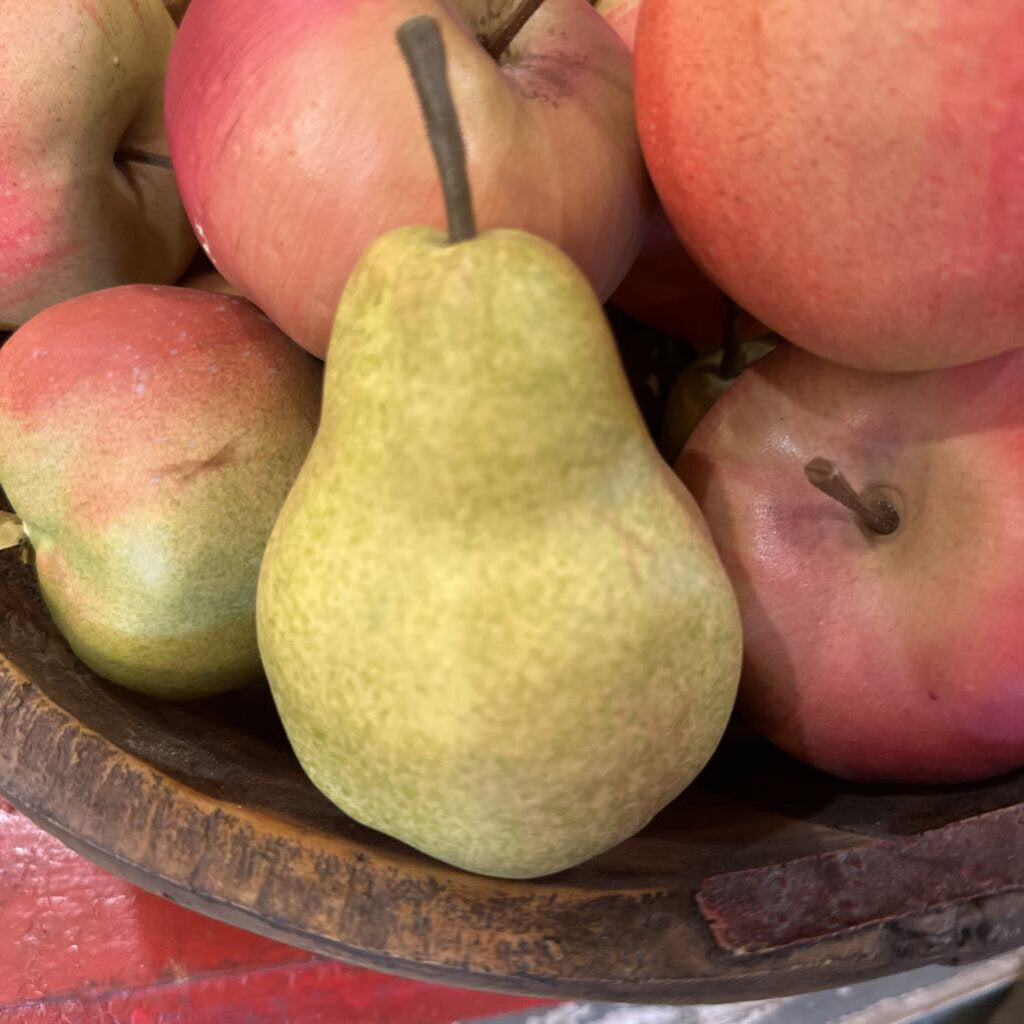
[[12, 532], [127, 155], [423, 49], [498, 41], [877, 514]]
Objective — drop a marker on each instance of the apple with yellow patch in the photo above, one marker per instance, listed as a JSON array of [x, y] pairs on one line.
[[148, 437], [87, 197]]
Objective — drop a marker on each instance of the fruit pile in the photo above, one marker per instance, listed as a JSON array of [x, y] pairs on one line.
[[377, 442]]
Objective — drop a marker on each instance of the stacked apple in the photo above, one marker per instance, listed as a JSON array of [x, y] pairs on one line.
[[853, 174], [84, 200], [472, 558]]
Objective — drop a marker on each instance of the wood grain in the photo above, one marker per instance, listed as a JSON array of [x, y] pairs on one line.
[[203, 803]]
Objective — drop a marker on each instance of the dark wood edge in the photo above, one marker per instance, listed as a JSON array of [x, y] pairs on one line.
[[770, 984], [947, 936], [112, 859], [277, 930]]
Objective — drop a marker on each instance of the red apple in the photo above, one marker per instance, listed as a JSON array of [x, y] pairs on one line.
[[297, 139], [851, 173], [875, 656], [664, 288], [81, 96], [148, 437]]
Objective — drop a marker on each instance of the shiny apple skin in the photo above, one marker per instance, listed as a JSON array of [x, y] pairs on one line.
[[882, 659]]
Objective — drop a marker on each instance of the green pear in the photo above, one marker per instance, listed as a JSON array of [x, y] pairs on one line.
[[148, 436], [494, 624]]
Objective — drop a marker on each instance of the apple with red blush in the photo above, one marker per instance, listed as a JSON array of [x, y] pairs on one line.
[[852, 174], [872, 525], [87, 195], [148, 437], [296, 139]]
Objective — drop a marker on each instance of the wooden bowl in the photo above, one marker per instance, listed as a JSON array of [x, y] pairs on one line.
[[763, 879]]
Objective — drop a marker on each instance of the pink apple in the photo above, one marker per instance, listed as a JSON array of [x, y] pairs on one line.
[[81, 95], [297, 138], [851, 173], [882, 657]]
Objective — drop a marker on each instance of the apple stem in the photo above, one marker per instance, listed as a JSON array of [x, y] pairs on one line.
[[126, 155], [498, 41], [423, 49], [734, 359], [880, 516]]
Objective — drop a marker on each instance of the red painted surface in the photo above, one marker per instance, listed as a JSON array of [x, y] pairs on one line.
[[320, 993], [84, 947]]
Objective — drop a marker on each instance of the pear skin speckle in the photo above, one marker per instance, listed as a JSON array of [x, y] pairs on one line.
[[493, 620]]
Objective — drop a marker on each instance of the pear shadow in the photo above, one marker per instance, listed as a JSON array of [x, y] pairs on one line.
[[699, 471]]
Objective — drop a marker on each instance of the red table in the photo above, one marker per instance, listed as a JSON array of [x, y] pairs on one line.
[[81, 946]]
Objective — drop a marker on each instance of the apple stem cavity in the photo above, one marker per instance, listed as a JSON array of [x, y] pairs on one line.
[[878, 515], [125, 155], [500, 39], [423, 48]]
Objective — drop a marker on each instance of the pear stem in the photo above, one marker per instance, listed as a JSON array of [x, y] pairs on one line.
[[126, 155], [423, 49], [498, 41], [880, 516], [734, 359]]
